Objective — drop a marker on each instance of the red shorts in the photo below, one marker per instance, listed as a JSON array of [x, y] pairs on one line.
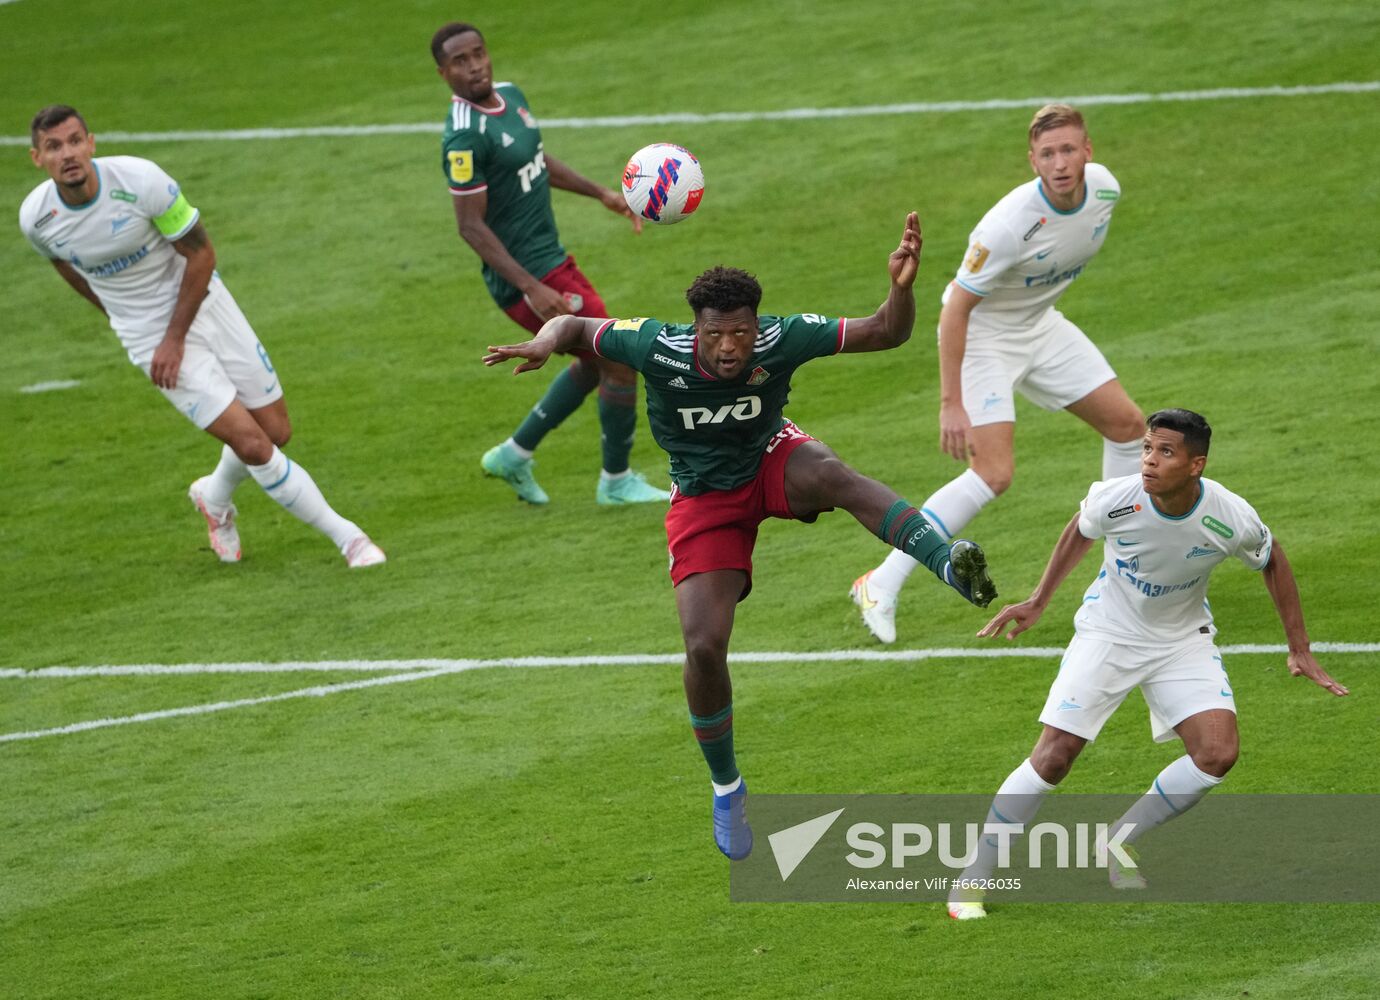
[[717, 530], [570, 282]]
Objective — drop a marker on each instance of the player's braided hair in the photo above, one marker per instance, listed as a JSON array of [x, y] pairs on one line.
[[52, 116], [724, 289], [438, 40], [1197, 434]]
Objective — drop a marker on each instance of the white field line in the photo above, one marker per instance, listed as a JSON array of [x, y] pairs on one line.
[[56, 385], [786, 114], [612, 660], [403, 671]]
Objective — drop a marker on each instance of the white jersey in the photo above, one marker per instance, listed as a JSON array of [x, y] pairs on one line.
[[121, 242], [1155, 568], [1025, 252]]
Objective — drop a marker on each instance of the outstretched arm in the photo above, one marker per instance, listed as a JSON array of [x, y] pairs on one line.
[[891, 324], [1068, 553], [565, 178], [563, 333], [1284, 591]]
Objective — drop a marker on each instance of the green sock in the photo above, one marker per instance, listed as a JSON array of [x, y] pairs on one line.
[[907, 529], [567, 391], [715, 736], [617, 421]]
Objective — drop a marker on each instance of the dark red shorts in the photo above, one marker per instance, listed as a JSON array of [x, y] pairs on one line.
[[717, 530], [570, 282]]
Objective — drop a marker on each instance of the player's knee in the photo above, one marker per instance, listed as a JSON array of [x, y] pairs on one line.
[[1216, 759], [281, 435], [1053, 757], [1131, 428], [997, 476], [253, 449], [835, 480], [706, 653]]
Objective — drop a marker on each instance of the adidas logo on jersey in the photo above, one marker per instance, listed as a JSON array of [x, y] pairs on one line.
[[507, 140], [677, 383]]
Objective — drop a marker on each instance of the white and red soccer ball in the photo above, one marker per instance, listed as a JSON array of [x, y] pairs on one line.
[[663, 183]]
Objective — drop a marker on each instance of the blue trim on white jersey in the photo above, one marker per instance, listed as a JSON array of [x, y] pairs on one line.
[[1039, 186], [969, 288], [1202, 492], [100, 183]]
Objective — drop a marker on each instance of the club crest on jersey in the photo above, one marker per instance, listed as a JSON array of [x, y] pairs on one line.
[[759, 375], [527, 118], [1198, 551]]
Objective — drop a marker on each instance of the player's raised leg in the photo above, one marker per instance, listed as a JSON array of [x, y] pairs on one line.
[[287, 483], [706, 603], [818, 480], [949, 508]]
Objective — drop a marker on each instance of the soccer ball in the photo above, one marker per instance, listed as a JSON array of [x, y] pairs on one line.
[[663, 183]]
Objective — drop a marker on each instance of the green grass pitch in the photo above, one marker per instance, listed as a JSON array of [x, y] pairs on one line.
[[544, 832]]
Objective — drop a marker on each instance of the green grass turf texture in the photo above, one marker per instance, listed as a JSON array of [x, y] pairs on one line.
[[545, 832]]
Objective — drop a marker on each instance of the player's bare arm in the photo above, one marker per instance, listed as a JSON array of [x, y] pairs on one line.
[[954, 422], [195, 246], [79, 284], [564, 333], [891, 325], [567, 179], [545, 301], [1284, 591], [1068, 553]]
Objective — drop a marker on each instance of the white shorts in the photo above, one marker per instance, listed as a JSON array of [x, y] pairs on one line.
[[1177, 679], [222, 361], [1057, 366]]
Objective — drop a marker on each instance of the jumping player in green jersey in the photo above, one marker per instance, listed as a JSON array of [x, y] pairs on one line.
[[500, 178], [715, 392]]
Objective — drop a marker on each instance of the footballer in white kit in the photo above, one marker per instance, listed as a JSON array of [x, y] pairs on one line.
[[121, 233], [999, 334], [1145, 622]]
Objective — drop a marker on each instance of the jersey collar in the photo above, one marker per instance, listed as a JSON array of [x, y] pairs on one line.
[[1040, 186], [502, 104]]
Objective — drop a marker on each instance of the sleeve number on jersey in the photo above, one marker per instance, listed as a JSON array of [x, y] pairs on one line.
[[461, 166]]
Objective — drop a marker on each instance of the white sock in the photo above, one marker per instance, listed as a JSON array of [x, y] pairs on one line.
[[522, 452], [1017, 801], [1179, 787], [293, 488], [949, 509], [732, 786], [1120, 459], [219, 486], [605, 476]]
